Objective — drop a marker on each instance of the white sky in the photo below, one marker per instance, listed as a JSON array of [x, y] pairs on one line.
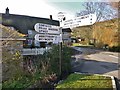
[[37, 8]]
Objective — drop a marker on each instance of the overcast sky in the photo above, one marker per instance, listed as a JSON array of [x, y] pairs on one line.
[[42, 8]]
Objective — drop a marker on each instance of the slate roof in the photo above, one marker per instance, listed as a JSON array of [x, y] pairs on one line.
[[23, 23]]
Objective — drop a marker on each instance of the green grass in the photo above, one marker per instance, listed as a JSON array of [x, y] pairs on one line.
[[78, 44], [0, 86], [86, 81], [81, 45]]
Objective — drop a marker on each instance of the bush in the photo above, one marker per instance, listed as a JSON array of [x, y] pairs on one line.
[[54, 59], [115, 49], [21, 82], [42, 67]]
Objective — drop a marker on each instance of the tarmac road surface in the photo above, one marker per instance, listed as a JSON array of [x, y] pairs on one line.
[[97, 62]]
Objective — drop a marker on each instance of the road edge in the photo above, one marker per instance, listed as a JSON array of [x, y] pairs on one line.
[[112, 78]]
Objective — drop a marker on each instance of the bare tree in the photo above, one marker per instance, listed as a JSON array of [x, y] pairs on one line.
[[104, 10], [114, 4]]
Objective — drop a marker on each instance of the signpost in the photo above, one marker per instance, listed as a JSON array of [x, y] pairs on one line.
[[89, 19], [51, 33], [61, 16], [45, 28], [46, 37], [47, 33]]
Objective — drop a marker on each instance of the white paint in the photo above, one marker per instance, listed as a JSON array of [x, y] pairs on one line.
[[113, 83], [113, 56]]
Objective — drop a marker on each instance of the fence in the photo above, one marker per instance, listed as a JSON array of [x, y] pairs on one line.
[[35, 51]]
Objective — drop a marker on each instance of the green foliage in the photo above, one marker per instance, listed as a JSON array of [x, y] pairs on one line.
[[66, 59], [43, 67], [85, 81], [21, 82], [11, 63], [54, 60], [54, 57]]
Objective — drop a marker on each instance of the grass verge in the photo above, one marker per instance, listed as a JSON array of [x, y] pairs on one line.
[[86, 81], [81, 45]]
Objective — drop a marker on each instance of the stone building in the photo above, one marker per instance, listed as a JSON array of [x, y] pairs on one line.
[[23, 23]]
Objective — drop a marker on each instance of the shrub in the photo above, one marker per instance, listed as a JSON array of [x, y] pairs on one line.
[[54, 57], [42, 67], [115, 49]]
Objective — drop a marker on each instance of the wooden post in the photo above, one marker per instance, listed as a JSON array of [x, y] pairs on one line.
[[60, 56]]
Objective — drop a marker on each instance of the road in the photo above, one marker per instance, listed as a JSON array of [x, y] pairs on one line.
[[96, 62]]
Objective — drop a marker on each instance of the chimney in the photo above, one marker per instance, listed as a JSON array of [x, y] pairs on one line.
[[51, 17], [7, 11]]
